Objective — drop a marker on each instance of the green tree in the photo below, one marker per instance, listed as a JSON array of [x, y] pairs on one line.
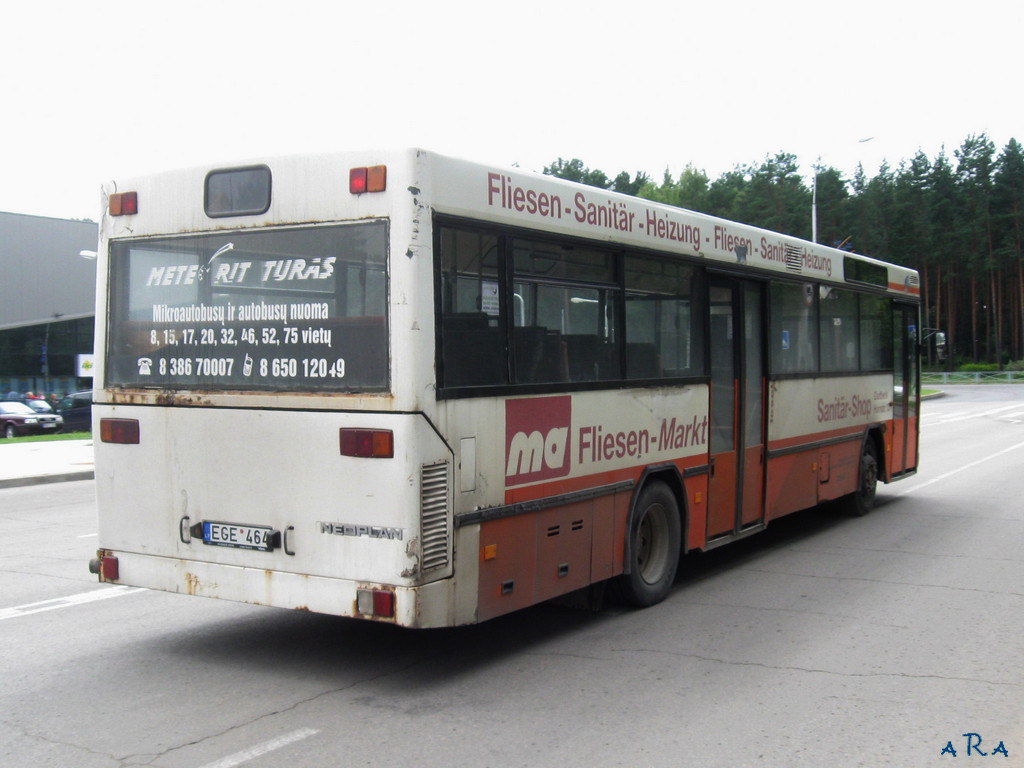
[[575, 170], [776, 198], [725, 194], [831, 196], [1008, 233], [631, 185], [910, 231], [941, 206], [689, 191], [974, 234]]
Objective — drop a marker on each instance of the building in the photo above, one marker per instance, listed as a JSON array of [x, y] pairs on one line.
[[47, 303]]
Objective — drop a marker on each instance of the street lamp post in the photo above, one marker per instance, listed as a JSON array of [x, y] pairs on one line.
[[46, 351], [814, 205], [814, 195]]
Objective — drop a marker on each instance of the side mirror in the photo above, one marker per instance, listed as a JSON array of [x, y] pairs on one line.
[[940, 345]]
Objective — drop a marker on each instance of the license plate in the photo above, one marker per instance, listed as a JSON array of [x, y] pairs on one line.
[[50, 425], [237, 536]]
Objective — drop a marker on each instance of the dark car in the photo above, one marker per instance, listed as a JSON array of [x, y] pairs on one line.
[[76, 409], [18, 419]]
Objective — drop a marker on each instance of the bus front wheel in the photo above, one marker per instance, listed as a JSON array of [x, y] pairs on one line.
[[654, 544], [859, 502]]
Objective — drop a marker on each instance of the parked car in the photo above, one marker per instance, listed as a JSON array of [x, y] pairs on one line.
[[76, 410], [18, 419]]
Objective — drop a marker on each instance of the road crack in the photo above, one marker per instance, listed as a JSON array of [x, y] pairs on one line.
[[817, 670]]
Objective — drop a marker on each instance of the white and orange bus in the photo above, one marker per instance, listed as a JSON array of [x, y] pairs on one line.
[[404, 387]]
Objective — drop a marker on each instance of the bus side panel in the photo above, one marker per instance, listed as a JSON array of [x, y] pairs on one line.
[[508, 556], [753, 486], [806, 411], [901, 449], [792, 483], [838, 470], [530, 558], [894, 447], [912, 441], [696, 490], [608, 556]]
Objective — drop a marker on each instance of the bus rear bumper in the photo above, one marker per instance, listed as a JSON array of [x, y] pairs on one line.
[[426, 606]]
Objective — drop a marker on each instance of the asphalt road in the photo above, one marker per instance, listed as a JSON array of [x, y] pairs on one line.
[[826, 641]]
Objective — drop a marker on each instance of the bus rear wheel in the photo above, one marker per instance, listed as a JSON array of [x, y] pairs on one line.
[[860, 502], [654, 545]]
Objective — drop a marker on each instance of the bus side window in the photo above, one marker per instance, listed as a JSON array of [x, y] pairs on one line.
[[472, 341], [794, 327], [875, 332], [565, 322], [664, 321], [474, 351], [838, 329]]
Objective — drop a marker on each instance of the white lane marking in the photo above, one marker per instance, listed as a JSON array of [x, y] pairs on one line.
[[261, 749], [965, 416], [66, 602], [958, 470], [88, 536]]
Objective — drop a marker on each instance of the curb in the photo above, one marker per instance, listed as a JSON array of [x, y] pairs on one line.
[[17, 482]]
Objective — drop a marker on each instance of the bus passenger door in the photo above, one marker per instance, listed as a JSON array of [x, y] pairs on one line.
[[906, 401], [736, 484]]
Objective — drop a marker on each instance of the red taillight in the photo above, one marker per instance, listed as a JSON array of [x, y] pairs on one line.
[[125, 431], [109, 568], [373, 178], [105, 566], [357, 181], [368, 443], [124, 203], [376, 602]]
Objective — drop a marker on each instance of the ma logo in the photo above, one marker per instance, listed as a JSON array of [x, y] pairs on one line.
[[537, 439]]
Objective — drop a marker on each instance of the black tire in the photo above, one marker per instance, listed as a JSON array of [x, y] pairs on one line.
[[860, 502], [654, 545], [10, 432]]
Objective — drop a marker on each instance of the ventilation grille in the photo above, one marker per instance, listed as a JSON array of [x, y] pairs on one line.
[[794, 259], [434, 515]]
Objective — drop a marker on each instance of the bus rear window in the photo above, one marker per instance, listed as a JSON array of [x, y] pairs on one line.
[[299, 309]]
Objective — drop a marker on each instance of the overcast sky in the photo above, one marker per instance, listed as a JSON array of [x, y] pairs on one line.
[[92, 91]]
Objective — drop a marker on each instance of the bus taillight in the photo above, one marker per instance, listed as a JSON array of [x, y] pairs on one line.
[[105, 566], [124, 203], [376, 602], [370, 179], [367, 443], [124, 431]]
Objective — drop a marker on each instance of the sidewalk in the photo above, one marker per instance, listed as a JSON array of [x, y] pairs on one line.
[[28, 463]]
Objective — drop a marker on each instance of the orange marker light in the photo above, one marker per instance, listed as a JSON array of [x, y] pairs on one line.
[[376, 178]]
